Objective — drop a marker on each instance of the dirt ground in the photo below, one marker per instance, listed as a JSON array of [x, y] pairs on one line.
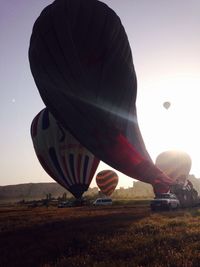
[[36, 236]]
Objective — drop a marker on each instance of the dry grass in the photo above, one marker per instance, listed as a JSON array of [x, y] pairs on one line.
[[96, 237]]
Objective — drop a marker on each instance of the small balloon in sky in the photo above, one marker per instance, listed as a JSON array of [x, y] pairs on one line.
[[166, 104]]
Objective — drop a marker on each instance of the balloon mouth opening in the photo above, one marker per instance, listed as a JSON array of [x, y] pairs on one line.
[[78, 190]]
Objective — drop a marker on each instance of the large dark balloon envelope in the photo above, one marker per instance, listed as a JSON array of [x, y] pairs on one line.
[[61, 155], [82, 64]]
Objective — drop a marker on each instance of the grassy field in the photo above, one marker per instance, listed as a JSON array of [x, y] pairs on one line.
[[125, 234]]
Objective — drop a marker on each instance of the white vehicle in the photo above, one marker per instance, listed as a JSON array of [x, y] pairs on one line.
[[64, 204], [165, 201], [102, 202]]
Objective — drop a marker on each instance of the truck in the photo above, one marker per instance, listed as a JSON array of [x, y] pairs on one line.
[[180, 196], [166, 201]]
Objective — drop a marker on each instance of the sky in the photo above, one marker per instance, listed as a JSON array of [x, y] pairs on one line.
[[165, 40]]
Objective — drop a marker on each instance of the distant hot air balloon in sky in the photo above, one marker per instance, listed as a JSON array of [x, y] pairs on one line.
[[61, 155], [107, 181], [176, 164], [166, 105], [82, 64]]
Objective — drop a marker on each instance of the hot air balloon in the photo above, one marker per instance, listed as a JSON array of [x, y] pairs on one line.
[[166, 105], [175, 163], [107, 181], [82, 65], [61, 155]]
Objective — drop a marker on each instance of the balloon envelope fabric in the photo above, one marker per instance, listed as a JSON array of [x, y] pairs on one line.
[[61, 155], [82, 64], [166, 105], [107, 181], [175, 163]]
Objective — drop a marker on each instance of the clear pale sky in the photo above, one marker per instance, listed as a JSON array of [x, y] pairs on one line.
[[165, 40]]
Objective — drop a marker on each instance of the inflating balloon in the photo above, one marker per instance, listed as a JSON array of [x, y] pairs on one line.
[[82, 64], [107, 181], [175, 163], [166, 105], [61, 155]]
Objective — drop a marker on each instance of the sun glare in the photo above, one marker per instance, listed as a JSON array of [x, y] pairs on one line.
[[176, 127]]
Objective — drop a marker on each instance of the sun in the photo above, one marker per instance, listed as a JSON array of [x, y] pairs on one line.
[[177, 127]]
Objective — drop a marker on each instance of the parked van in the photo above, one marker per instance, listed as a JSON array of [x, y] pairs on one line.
[[65, 204], [102, 202]]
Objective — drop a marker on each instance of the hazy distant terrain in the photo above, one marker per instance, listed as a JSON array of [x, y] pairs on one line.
[[32, 191]]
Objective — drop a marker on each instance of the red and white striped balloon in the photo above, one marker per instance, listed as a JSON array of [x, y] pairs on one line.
[[61, 155], [107, 181]]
